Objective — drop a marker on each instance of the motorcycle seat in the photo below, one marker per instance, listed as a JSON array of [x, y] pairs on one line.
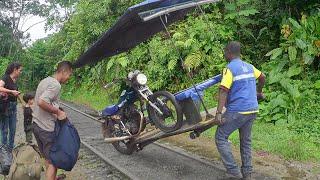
[[110, 110]]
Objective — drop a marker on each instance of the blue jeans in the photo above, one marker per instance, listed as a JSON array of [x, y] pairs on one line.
[[234, 121], [8, 123]]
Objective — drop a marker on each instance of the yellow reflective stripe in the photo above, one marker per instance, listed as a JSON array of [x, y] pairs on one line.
[[249, 112]]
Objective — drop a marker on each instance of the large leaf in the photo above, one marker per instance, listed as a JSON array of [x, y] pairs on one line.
[[292, 53], [110, 63], [172, 63], [231, 16], [188, 43], [294, 92], [280, 66], [230, 6], [292, 89], [291, 117], [277, 117], [295, 23], [248, 12], [262, 31], [307, 59], [279, 101], [293, 71], [242, 2], [274, 77], [193, 60], [285, 83], [301, 44], [123, 61], [177, 35], [275, 53]]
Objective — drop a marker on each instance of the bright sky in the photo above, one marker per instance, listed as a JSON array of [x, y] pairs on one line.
[[37, 31]]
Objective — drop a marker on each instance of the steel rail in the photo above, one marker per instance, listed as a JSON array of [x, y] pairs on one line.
[[109, 161], [99, 154], [83, 113], [175, 150]]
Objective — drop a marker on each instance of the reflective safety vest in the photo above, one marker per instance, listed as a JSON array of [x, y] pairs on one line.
[[242, 95]]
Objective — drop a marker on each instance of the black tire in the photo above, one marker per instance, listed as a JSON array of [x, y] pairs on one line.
[[128, 149], [160, 121], [123, 147]]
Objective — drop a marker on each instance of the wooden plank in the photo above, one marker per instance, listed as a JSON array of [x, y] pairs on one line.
[[155, 135], [158, 134]]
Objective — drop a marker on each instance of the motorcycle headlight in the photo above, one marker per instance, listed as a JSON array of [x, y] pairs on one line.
[[142, 79]]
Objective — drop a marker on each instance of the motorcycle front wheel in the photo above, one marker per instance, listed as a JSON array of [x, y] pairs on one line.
[[170, 116]]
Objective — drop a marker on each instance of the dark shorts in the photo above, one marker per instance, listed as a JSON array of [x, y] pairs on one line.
[[45, 140]]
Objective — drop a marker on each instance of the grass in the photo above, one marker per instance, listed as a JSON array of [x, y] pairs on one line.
[[97, 100], [276, 139]]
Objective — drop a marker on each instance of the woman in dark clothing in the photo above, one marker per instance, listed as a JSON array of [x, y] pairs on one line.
[[9, 93]]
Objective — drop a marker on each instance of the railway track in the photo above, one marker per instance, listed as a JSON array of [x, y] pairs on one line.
[[94, 166], [156, 161]]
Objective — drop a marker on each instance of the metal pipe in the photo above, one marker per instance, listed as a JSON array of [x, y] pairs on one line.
[[173, 8], [116, 139], [85, 114]]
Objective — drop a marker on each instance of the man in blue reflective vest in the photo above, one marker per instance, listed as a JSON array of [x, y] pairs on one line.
[[239, 94]]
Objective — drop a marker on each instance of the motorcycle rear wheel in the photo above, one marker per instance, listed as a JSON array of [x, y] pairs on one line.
[[172, 117]]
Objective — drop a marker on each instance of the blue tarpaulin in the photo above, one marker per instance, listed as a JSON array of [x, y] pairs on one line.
[[132, 29], [192, 93]]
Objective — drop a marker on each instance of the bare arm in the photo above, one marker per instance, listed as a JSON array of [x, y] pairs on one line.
[[223, 95], [2, 89], [261, 82], [51, 109], [48, 107], [5, 90]]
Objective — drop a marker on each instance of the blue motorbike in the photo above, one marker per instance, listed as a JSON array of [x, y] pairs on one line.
[[126, 119]]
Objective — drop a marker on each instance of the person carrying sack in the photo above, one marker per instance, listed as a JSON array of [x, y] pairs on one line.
[[65, 150], [46, 112]]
